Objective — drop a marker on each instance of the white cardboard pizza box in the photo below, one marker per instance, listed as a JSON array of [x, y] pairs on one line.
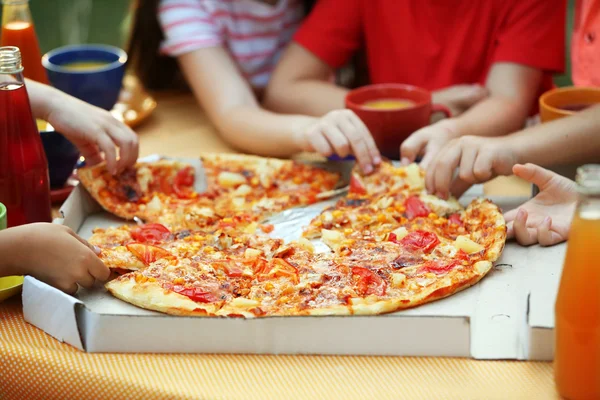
[[487, 321]]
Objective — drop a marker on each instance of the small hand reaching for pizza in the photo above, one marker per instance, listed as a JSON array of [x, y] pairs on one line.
[[341, 132], [93, 130], [545, 219], [51, 253], [428, 142]]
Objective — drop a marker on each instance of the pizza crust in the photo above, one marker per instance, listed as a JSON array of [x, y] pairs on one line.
[[152, 296]]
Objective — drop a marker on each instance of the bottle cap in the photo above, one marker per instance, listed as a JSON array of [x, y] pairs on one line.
[[10, 60], [588, 179]]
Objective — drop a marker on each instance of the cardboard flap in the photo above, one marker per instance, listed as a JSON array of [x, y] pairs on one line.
[[52, 311]]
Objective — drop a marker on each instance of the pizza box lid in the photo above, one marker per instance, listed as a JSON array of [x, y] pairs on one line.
[[487, 321]]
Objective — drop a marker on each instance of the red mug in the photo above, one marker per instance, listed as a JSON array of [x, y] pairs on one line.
[[389, 127]]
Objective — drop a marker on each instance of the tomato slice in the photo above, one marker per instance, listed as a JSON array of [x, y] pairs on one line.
[[196, 294], [455, 219], [438, 268], [356, 186], [151, 233], [420, 240], [415, 208], [229, 268], [368, 282], [183, 182], [147, 253], [393, 238]]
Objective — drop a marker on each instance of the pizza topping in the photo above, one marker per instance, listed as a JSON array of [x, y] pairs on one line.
[[252, 253], [416, 208], [151, 233], [198, 295], [147, 253], [397, 235], [467, 245], [130, 189], [406, 260], [282, 268], [420, 240], [455, 219], [438, 267], [183, 182], [229, 267], [356, 186], [367, 282], [267, 228], [228, 179], [398, 279]]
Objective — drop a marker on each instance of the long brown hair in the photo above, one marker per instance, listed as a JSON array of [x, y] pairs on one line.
[[157, 71]]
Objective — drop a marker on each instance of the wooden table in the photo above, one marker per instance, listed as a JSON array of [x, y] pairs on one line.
[[36, 366]]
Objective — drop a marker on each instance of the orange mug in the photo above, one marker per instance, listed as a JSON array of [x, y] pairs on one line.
[[566, 101], [391, 126]]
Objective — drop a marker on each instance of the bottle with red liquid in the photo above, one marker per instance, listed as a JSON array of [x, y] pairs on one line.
[[18, 31], [24, 183]]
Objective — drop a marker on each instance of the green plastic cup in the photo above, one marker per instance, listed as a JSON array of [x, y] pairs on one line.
[[2, 216]]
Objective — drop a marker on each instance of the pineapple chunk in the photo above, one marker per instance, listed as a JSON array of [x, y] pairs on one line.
[[230, 179], [241, 302], [238, 202], [251, 227], [242, 190], [155, 205], [398, 279], [400, 233], [252, 253], [467, 245], [306, 244], [333, 239], [413, 176]]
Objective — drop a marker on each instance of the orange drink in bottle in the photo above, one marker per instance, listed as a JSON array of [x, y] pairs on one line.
[[577, 331]]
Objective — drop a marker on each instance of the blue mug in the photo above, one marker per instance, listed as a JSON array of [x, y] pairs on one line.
[[99, 85], [62, 156]]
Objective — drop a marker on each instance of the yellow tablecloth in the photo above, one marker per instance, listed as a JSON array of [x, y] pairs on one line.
[[33, 365]]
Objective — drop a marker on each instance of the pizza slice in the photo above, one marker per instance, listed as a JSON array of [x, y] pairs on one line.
[[127, 194]]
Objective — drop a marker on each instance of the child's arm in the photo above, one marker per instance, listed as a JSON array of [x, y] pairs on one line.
[[230, 103], [51, 253], [512, 89], [572, 140], [92, 129]]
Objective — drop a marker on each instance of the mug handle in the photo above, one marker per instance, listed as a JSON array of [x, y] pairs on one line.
[[441, 108]]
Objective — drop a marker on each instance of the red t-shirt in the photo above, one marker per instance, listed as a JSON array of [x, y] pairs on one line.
[[438, 43]]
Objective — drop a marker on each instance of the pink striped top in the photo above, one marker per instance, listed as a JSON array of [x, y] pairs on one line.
[[254, 33]]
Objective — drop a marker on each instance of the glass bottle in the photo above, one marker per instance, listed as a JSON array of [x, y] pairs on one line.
[[577, 331], [24, 183], [18, 31]]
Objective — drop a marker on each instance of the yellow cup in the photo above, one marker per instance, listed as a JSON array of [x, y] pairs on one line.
[[9, 285]]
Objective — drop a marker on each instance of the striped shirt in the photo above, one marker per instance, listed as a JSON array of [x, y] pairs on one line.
[[253, 32]]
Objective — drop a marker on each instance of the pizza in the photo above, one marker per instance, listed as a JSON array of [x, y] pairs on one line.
[[248, 188], [390, 245]]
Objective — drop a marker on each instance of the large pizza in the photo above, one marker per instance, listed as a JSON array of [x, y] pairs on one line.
[[391, 245]]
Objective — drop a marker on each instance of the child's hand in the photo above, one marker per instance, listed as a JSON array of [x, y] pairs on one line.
[[459, 98], [94, 130], [427, 142], [341, 132], [53, 254], [478, 159], [532, 222]]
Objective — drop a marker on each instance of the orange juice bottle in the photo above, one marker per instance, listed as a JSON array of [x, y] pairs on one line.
[[18, 31], [577, 332]]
